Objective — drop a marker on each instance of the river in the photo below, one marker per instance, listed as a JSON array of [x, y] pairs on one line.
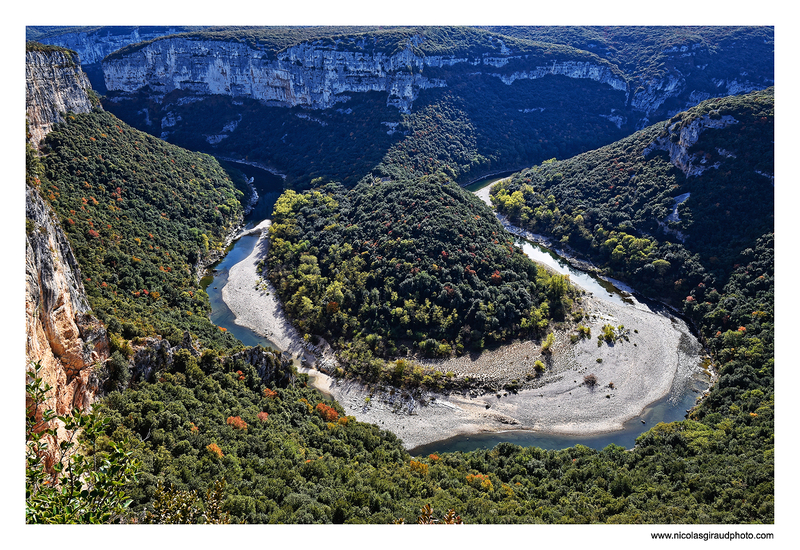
[[670, 408], [269, 186]]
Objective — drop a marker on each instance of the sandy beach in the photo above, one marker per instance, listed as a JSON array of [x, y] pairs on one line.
[[659, 356]]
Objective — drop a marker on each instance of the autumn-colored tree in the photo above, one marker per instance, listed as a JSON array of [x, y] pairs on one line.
[[237, 422], [270, 394], [327, 413], [214, 449]]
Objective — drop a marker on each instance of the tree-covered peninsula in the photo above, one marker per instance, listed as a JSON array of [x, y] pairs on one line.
[[419, 267]]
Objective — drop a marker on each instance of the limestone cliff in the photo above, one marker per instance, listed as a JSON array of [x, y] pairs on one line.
[[55, 84], [314, 75], [61, 335], [680, 138], [92, 45]]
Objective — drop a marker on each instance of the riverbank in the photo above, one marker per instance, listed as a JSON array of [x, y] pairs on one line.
[[657, 357], [254, 302]]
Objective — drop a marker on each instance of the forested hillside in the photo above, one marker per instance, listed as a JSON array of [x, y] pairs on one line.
[[142, 216], [712, 165], [716, 259], [288, 456]]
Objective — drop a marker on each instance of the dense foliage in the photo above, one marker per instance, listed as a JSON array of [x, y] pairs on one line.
[[418, 265], [75, 481], [142, 215], [445, 41], [612, 204], [607, 204], [414, 263], [482, 125], [288, 456], [340, 144]]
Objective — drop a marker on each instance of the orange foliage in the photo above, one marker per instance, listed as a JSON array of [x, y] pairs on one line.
[[327, 413], [271, 394], [214, 449], [481, 481], [237, 423], [262, 416], [419, 467]]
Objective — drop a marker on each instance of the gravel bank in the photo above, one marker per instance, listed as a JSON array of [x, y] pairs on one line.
[[254, 302], [642, 369]]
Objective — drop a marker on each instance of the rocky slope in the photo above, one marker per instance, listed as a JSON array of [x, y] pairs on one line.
[[55, 84], [680, 138]]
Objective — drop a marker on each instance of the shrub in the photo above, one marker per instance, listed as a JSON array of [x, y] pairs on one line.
[[548, 343], [419, 467], [67, 483]]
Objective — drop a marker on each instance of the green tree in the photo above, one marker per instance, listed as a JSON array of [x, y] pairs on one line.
[[76, 482]]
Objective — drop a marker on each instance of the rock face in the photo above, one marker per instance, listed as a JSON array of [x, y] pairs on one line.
[[93, 46], [156, 355], [55, 84], [310, 75], [680, 139], [61, 335], [318, 76]]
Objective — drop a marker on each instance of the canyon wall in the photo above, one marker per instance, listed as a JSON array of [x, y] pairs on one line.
[[55, 84], [61, 334], [319, 75], [312, 75], [66, 341]]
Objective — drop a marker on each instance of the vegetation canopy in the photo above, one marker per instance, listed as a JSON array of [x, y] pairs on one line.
[[415, 266], [143, 217]]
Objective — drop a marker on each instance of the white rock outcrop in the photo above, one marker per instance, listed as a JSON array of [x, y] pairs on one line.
[[310, 74], [305, 74], [55, 84], [680, 139]]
